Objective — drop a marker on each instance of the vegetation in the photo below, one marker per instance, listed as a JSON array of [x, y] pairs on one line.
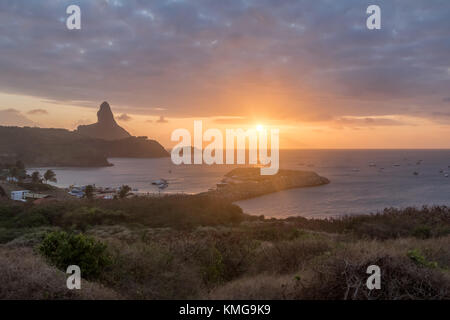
[[14, 170], [124, 191], [32, 182], [179, 247], [62, 249], [89, 192], [36, 177], [49, 175]]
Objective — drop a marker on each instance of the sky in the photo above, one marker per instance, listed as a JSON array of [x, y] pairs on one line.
[[311, 69]]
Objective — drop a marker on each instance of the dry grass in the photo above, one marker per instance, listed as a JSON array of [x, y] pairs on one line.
[[24, 275], [341, 274], [256, 259]]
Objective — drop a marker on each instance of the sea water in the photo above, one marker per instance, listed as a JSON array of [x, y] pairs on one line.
[[362, 181]]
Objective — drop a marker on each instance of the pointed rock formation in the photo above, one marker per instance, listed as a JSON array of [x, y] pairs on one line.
[[106, 127]]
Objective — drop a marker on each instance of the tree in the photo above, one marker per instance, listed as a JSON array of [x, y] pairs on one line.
[[49, 175], [36, 177], [124, 191], [14, 172], [89, 192], [18, 173]]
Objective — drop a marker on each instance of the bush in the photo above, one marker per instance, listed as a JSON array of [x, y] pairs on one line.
[[83, 217], [416, 256], [422, 232], [25, 276], [63, 249]]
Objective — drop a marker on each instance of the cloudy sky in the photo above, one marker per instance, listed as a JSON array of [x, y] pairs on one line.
[[310, 68]]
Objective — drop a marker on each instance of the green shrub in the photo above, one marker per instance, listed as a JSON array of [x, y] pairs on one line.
[[213, 268], [7, 234], [422, 232], [31, 219], [420, 260], [63, 249], [83, 217]]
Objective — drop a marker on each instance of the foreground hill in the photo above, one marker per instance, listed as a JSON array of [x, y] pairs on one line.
[[194, 247], [60, 147]]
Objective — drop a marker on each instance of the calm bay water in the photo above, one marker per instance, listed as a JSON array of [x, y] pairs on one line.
[[355, 188]]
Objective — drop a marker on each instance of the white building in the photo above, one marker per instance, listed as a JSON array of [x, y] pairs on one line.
[[19, 195]]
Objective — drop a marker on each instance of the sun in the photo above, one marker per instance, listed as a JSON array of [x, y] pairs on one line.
[[259, 128]]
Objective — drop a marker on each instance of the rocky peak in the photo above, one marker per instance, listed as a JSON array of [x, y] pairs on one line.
[[105, 115], [106, 127]]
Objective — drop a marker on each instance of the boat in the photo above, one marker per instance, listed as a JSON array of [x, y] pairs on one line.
[[415, 173], [446, 175], [159, 182], [372, 164]]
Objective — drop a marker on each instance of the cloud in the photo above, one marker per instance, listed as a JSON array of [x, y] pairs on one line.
[[37, 112], [442, 118], [161, 120], [124, 117], [232, 120], [369, 121], [11, 110], [13, 117], [290, 58]]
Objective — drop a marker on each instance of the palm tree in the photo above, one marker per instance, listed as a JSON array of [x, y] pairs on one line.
[[36, 177], [49, 175], [124, 190]]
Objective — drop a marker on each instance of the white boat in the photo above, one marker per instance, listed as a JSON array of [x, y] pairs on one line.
[[446, 175]]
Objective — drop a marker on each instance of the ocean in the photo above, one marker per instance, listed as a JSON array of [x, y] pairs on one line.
[[362, 181]]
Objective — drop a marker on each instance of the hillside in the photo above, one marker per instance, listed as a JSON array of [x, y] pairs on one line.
[[60, 147], [197, 247]]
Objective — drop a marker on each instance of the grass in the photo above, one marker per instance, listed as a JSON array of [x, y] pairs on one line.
[[189, 247]]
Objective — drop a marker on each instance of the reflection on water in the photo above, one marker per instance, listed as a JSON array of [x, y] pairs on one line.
[[362, 181]]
